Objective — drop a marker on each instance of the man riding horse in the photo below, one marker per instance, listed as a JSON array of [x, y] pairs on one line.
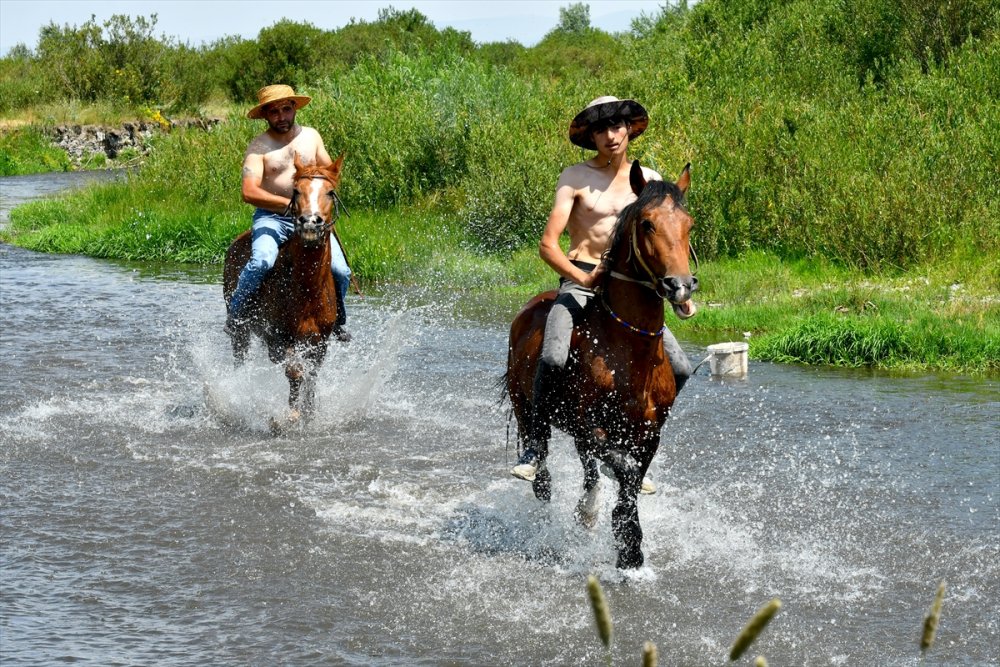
[[268, 169], [589, 197]]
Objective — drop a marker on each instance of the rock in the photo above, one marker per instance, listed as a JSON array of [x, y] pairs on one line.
[[81, 142]]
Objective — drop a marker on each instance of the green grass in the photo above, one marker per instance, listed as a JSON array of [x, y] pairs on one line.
[[27, 150], [816, 313], [944, 317]]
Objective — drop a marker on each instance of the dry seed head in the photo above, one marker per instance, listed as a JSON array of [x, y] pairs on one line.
[[601, 613], [649, 656], [931, 621], [754, 628]]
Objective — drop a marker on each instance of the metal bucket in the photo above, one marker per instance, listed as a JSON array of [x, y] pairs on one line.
[[728, 359]]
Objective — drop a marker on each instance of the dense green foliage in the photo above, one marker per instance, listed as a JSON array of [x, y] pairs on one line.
[[27, 150], [861, 134]]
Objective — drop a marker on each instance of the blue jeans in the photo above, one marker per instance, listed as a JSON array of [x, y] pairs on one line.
[[269, 232]]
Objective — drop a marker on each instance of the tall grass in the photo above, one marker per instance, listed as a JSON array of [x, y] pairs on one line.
[[26, 150]]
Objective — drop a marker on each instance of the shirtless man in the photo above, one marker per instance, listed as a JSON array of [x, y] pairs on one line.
[[589, 197], [267, 184]]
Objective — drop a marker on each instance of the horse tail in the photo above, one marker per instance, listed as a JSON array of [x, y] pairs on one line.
[[504, 397]]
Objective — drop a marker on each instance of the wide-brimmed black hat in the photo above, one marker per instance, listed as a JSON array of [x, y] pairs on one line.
[[606, 108]]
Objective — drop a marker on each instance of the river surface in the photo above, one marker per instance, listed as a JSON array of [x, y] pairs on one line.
[[148, 516]]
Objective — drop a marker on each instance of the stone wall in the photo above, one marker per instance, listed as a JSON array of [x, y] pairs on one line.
[[81, 141]]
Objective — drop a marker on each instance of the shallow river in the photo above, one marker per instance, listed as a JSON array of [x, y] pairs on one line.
[[149, 518]]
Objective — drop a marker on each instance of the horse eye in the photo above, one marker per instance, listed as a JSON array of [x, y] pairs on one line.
[[647, 225], [330, 194]]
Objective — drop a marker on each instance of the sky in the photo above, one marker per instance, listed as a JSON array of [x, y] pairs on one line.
[[202, 21]]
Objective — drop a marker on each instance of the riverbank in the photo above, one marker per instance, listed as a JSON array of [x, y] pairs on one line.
[[28, 147], [944, 317]]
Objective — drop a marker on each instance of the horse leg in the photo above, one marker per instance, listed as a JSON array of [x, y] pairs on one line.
[[589, 505], [296, 374], [625, 516], [239, 337]]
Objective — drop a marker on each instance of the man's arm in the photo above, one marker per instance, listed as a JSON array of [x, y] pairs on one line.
[[322, 157], [548, 247], [255, 195]]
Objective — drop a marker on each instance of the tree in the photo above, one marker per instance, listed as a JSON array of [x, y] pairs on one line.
[[574, 19]]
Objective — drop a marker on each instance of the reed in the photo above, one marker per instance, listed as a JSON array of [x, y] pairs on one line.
[[649, 655], [754, 628], [931, 620], [602, 615]]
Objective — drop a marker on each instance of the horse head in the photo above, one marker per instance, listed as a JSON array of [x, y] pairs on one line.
[[651, 242], [315, 205]]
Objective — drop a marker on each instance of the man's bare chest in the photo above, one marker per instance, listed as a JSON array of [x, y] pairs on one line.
[[598, 205]]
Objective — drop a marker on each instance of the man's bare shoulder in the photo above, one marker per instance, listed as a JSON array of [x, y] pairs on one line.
[[651, 175], [260, 145], [309, 133], [576, 176]]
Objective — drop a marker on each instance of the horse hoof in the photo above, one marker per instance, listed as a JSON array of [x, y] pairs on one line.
[[648, 488], [278, 425]]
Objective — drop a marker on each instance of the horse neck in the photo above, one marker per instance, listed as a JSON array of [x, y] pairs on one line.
[[637, 304], [311, 264]]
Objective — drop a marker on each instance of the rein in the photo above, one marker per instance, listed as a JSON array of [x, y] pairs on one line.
[[631, 327], [649, 284], [338, 203], [637, 256]]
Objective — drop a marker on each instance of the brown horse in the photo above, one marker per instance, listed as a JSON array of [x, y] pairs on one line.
[[295, 310], [618, 385]]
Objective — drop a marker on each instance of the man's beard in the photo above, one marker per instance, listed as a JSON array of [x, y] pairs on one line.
[[281, 128]]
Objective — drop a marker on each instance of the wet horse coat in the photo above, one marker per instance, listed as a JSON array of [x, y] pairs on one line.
[[618, 385], [295, 310]]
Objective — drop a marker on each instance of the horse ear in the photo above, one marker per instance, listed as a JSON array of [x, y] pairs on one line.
[[334, 169], [297, 162], [636, 178], [684, 180]]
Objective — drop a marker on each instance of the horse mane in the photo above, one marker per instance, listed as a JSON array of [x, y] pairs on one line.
[[652, 195], [311, 170]]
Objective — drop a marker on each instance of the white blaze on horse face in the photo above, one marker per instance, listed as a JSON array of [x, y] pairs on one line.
[[314, 192]]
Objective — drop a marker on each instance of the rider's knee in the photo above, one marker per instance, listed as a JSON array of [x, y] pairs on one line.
[[260, 264], [555, 358]]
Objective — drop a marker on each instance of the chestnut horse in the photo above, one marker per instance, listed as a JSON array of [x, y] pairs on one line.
[[295, 309], [618, 385]]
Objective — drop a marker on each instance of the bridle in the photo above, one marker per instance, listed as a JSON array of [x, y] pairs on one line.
[[636, 256], [337, 203], [328, 226]]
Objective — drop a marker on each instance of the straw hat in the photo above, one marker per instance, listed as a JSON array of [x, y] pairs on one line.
[[275, 93], [604, 108]]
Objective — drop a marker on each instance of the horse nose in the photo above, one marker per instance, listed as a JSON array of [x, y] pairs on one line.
[[680, 287]]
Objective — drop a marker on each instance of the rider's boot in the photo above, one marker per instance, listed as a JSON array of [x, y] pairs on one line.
[[342, 334], [536, 446], [679, 362]]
